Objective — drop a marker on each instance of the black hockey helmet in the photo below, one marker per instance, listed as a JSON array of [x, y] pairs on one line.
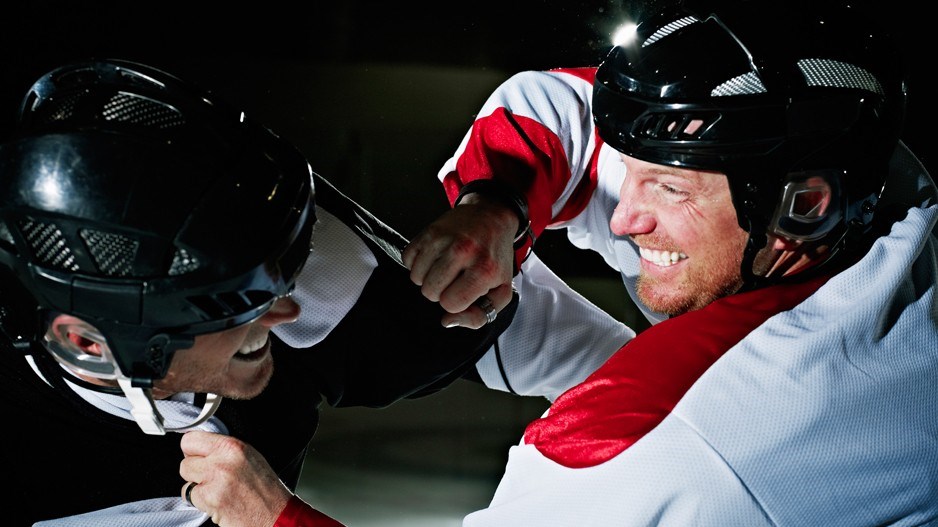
[[768, 93], [144, 206]]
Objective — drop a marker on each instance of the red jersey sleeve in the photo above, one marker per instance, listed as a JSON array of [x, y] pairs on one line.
[[298, 513], [535, 134]]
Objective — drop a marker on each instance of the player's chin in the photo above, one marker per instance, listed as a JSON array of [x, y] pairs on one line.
[[248, 375]]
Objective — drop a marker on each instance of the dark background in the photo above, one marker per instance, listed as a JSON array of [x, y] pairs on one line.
[[199, 37], [208, 41], [376, 94]]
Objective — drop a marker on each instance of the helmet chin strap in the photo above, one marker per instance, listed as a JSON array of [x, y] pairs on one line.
[[148, 417], [102, 364], [756, 242]]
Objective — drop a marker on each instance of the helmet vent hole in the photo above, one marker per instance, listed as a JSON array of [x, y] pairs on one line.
[[128, 108], [183, 263], [669, 28], [672, 126], [836, 74], [48, 244], [113, 253]]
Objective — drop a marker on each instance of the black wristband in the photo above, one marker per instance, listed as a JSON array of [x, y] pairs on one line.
[[506, 195]]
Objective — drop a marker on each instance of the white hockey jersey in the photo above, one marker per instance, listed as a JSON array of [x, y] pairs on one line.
[[808, 404]]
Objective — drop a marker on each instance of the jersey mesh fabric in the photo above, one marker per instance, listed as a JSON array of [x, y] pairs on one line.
[[581, 337], [330, 283]]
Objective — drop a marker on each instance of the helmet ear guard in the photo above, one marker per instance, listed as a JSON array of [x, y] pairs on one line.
[[809, 208], [84, 350], [81, 347]]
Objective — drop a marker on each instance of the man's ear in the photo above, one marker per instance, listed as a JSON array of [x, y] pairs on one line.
[[78, 333]]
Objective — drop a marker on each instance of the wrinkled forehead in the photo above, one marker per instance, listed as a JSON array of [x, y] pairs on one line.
[[693, 176]]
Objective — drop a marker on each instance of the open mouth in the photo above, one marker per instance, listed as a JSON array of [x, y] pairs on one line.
[[661, 258], [253, 352]]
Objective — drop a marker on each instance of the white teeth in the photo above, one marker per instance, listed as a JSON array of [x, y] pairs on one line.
[[252, 347], [661, 258]]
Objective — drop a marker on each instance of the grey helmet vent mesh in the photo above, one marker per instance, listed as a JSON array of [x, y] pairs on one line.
[[745, 84], [125, 107], [48, 243], [669, 28], [836, 74], [183, 263], [63, 108], [113, 254]]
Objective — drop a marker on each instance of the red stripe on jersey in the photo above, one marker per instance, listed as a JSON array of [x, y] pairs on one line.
[[639, 386], [581, 195], [519, 151]]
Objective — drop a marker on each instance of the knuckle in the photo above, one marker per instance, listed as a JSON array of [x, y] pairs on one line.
[[464, 246]]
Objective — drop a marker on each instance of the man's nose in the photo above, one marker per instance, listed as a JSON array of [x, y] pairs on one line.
[[284, 310], [631, 215]]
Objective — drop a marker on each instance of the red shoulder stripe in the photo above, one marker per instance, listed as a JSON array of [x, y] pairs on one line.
[[639, 386]]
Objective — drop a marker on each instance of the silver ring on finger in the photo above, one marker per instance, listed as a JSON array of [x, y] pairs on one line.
[[486, 305]]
